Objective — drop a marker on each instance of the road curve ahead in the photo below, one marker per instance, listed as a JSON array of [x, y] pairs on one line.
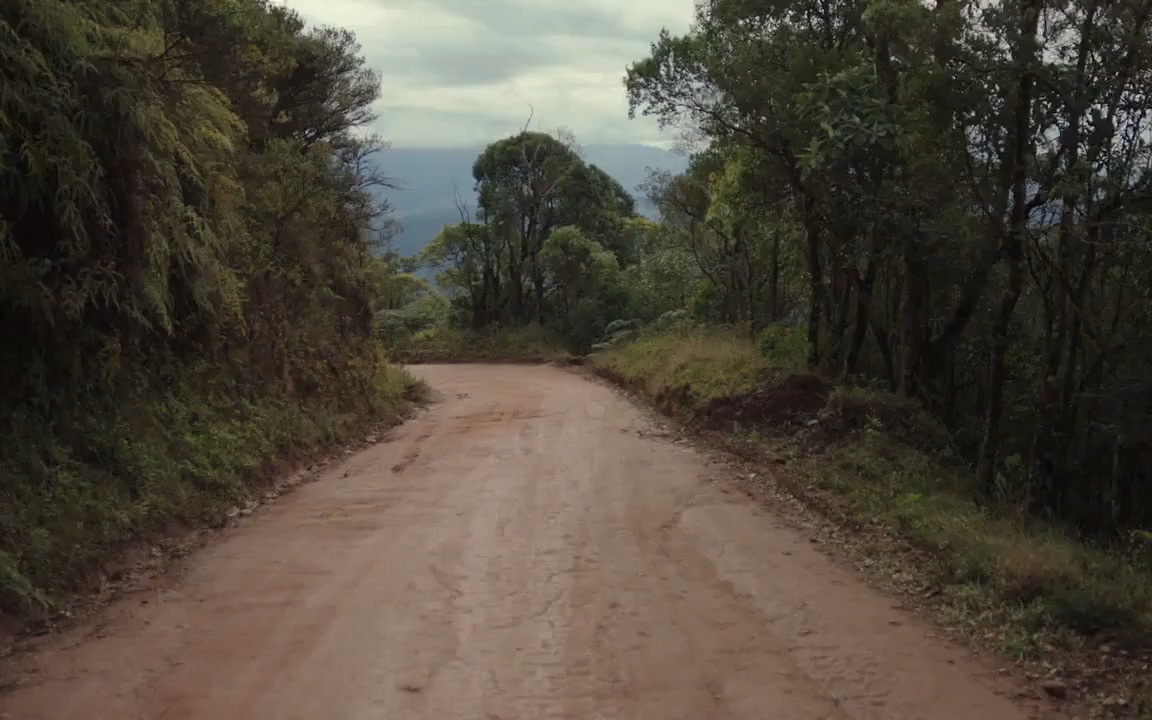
[[530, 548]]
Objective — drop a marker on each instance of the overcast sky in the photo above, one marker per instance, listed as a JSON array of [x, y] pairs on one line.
[[464, 72]]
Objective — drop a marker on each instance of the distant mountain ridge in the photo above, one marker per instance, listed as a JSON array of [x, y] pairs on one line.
[[429, 180]]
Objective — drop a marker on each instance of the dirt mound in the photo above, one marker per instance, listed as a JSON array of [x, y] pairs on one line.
[[783, 403], [851, 410], [675, 400]]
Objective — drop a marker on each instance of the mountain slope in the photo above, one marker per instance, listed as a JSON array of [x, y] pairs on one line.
[[429, 181]]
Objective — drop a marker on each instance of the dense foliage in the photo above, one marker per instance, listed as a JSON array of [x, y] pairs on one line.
[[188, 275], [546, 245], [951, 198]]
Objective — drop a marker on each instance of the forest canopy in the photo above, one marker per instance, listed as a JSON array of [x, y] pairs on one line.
[[950, 200]]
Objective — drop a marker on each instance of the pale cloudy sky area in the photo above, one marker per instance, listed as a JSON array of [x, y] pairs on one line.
[[465, 72]]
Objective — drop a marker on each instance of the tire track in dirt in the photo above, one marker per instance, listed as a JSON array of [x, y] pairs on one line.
[[533, 547]]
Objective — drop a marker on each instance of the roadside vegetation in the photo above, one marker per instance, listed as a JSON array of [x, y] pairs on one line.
[[190, 268], [923, 228], [528, 344], [869, 458], [911, 256]]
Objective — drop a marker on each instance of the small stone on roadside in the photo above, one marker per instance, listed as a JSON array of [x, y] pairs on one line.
[[1055, 689]]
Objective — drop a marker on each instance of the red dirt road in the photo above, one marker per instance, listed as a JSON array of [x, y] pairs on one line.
[[528, 549]]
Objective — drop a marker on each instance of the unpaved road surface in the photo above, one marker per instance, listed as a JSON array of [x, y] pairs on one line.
[[530, 548]]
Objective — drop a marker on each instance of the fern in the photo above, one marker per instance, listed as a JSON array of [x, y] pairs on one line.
[[179, 261]]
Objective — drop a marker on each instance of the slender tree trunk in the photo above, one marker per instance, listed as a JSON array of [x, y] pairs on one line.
[[884, 344], [997, 367], [538, 287], [816, 280], [517, 249], [1039, 465], [1013, 248], [732, 286], [1069, 396], [1039, 470], [863, 307], [751, 289], [480, 303], [910, 332], [841, 306], [774, 279], [494, 302]]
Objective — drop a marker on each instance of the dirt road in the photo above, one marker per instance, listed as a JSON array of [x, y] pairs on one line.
[[530, 548]]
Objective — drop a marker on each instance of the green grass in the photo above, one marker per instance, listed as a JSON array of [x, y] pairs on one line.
[[881, 460], [531, 343], [991, 562], [72, 497], [704, 365]]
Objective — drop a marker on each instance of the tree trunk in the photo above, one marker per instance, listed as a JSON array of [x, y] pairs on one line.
[[1040, 477], [842, 304], [882, 342], [816, 279], [516, 286], [1013, 247], [1039, 464], [774, 279], [994, 410], [538, 287], [863, 308], [910, 313]]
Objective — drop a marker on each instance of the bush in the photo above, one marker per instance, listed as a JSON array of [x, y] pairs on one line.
[[783, 345], [673, 319], [708, 364], [531, 343]]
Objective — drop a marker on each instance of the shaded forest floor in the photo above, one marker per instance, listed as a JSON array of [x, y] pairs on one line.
[[1077, 618]]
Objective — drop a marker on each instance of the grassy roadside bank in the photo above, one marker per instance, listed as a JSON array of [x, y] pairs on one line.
[[442, 344], [142, 472], [882, 467]]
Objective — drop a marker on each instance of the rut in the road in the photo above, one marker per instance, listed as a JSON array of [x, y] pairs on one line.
[[518, 551]]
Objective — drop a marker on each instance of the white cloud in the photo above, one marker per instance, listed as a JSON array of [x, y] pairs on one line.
[[462, 72]]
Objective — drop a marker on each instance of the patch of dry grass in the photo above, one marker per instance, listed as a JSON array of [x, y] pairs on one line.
[[708, 364]]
